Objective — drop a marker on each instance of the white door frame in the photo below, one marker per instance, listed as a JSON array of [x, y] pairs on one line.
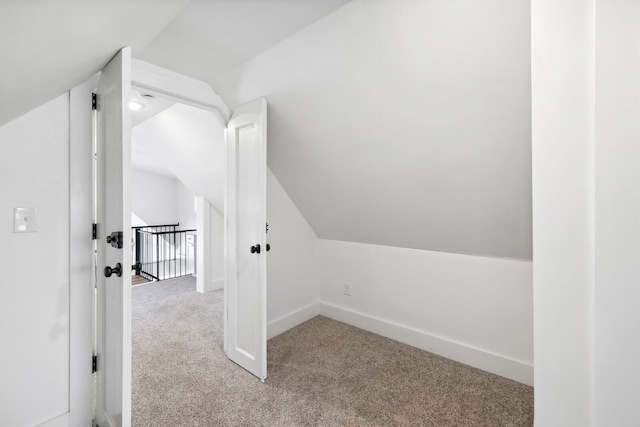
[[153, 80], [177, 87], [113, 172], [81, 273]]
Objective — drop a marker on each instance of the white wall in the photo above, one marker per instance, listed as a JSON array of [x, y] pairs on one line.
[[415, 114], [210, 250], [586, 205], [49, 56], [160, 199], [190, 142], [472, 309], [185, 206], [292, 263], [203, 253], [217, 248], [617, 213], [153, 199], [563, 60], [34, 308]]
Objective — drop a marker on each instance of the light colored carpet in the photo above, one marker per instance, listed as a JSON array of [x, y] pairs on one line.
[[321, 373]]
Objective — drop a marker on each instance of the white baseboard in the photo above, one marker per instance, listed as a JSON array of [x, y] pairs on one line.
[[481, 359], [291, 320], [63, 420], [217, 284], [214, 285]]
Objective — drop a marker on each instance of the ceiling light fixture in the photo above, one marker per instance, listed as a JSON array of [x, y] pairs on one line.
[[135, 106]]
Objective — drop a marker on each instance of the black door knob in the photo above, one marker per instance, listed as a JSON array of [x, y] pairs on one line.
[[268, 247], [115, 239], [255, 249], [137, 267], [108, 271]]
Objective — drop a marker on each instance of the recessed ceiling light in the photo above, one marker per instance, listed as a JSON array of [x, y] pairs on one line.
[[134, 106]]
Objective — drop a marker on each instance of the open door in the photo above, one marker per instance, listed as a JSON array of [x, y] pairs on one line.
[[113, 160], [245, 238]]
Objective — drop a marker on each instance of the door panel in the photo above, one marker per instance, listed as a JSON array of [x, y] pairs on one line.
[[113, 215], [245, 221]]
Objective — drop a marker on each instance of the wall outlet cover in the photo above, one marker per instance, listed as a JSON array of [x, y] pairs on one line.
[[25, 220], [347, 289]]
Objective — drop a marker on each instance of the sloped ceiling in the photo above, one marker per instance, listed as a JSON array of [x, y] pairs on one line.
[[403, 123], [211, 36], [187, 142], [151, 106], [50, 46]]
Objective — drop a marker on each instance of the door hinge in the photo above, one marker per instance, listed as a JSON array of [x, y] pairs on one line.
[[94, 101], [94, 364], [94, 232], [267, 228]]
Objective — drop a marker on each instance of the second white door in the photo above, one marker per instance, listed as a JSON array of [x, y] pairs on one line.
[[245, 238]]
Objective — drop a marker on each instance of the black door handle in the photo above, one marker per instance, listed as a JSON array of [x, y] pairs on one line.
[[108, 271], [256, 249], [115, 239], [137, 267]]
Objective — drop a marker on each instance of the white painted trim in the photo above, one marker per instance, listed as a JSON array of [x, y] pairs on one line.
[[213, 285], [178, 87], [217, 284], [156, 80], [291, 320], [496, 364], [108, 421], [203, 249], [63, 420], [81, 290], [114, 296]]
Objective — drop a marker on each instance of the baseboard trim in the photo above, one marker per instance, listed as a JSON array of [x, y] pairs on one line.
[[214, 285], [496, 364], [63, 420], [217, 284], [291, 320]]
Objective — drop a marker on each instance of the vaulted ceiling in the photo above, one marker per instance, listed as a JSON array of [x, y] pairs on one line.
[[187, 143], [50, 46], [403, 123], [211, 36]]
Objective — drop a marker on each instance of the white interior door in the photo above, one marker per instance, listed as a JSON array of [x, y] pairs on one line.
[[245, 238], [113, 216]]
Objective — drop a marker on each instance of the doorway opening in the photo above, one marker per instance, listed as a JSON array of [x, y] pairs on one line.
[[242, 180], [177, 192], [177, 207]]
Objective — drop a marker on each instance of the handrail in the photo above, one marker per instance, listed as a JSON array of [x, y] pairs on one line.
[[163, 254], [156, 226], [168, 232]]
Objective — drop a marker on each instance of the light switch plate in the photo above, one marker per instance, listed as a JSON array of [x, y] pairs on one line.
[[25, 220]]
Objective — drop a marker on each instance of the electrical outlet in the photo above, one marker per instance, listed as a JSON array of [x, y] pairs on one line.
[[347, 289]]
